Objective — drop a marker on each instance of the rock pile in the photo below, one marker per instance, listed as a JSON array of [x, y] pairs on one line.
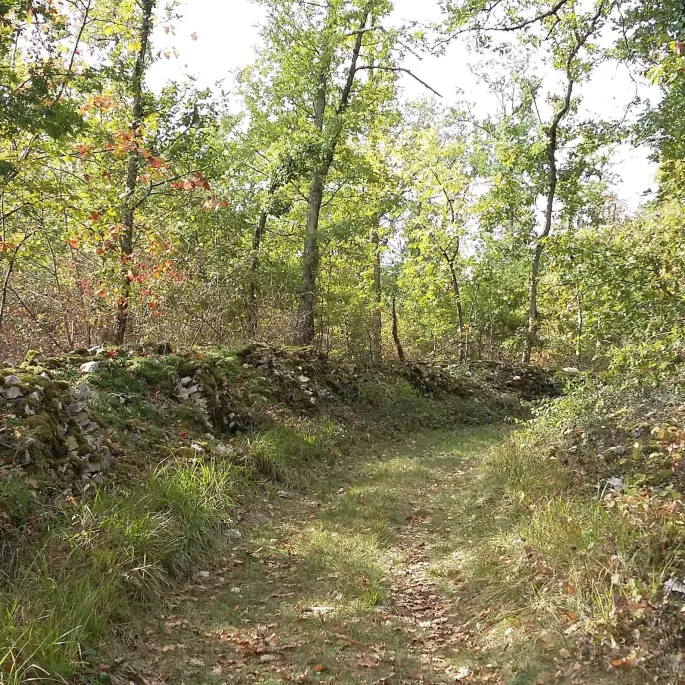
[[190, 388], [302, 377], [48, 420], [47, 423]]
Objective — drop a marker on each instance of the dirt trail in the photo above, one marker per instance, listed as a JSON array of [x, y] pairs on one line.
[[341, 583]]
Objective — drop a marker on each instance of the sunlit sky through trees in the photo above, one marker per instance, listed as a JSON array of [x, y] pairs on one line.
[[215, 38]]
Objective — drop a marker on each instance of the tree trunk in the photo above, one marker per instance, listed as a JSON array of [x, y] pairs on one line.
[[6, 280], [128, 206], [305, 328], [377, 319], [460, 308], [579, 324], [553, 180], [252, 310], [533, 314], [395, 330], [472, 322]]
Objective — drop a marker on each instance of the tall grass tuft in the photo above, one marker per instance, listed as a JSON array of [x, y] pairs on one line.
[[122, 547]]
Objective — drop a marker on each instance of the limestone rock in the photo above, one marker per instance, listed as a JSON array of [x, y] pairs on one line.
[[89, 367], [11, 393], [82, 391]]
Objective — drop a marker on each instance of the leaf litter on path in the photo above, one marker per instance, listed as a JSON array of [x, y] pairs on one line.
[[311, 594]]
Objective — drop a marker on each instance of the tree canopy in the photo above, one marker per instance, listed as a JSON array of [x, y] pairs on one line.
[[317, 205]]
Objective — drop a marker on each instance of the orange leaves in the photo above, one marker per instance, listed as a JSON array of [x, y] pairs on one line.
[[104, 102], [83, 151], [215, 205], [631, 660], [154, 162], [99, 102], [192, 183], [74, 243]]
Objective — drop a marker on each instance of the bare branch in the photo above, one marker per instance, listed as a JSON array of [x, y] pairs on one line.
[[404, 71]]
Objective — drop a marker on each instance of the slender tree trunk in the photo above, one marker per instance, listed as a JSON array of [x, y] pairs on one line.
[[7, 278], [252, 308], [128, 206], [395, 330], [533, 313], [377, 319], [472, 314], [460, 308], [553, 181], [580, 324], [306, 323], [5, 288], [310, 263]]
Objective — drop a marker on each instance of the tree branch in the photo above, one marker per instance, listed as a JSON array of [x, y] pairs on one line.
[[402, 70]]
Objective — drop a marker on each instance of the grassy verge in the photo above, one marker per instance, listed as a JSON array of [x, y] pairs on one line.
[[99, 559], [571, 529]]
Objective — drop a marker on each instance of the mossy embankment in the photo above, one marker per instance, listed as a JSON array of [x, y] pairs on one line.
[[120, 469]]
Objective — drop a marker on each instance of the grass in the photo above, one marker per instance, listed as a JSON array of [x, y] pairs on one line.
[[449, 553], [17, 502], [324, 574], [287, 453], [340, 506], [101, 558], [562, 561]]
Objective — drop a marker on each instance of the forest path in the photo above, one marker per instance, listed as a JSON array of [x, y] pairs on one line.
[[346, 583]]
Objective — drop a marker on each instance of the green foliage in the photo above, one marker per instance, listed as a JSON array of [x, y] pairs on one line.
[[17, 501], [435, 209], [123, 546], [286, 453]]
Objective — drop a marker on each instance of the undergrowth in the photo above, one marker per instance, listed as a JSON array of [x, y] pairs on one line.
[[575, 522], [101, 558]]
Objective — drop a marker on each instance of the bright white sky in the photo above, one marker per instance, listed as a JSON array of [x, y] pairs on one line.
[[227, 36]]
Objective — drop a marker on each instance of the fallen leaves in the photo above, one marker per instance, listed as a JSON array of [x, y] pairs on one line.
[[631, 660], [367, 662]]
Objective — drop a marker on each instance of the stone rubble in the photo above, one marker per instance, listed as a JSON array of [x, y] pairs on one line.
[[64, 426]]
